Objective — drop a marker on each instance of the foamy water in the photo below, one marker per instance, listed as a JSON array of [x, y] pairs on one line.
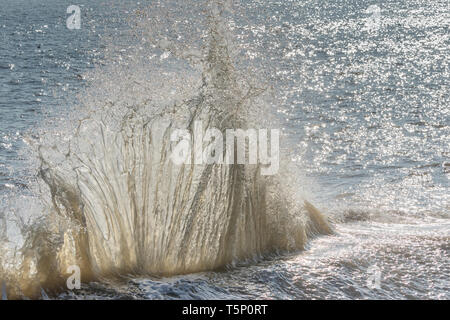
[[85, 171]]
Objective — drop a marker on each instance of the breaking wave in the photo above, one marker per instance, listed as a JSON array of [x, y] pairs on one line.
[[110, 199]]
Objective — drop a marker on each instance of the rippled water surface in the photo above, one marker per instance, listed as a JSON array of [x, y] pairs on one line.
[[364, 102]]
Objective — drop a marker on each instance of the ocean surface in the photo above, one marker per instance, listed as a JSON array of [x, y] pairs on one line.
[[360, 90]]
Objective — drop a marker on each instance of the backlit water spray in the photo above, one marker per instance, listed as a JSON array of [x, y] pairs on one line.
[[110, 198]]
